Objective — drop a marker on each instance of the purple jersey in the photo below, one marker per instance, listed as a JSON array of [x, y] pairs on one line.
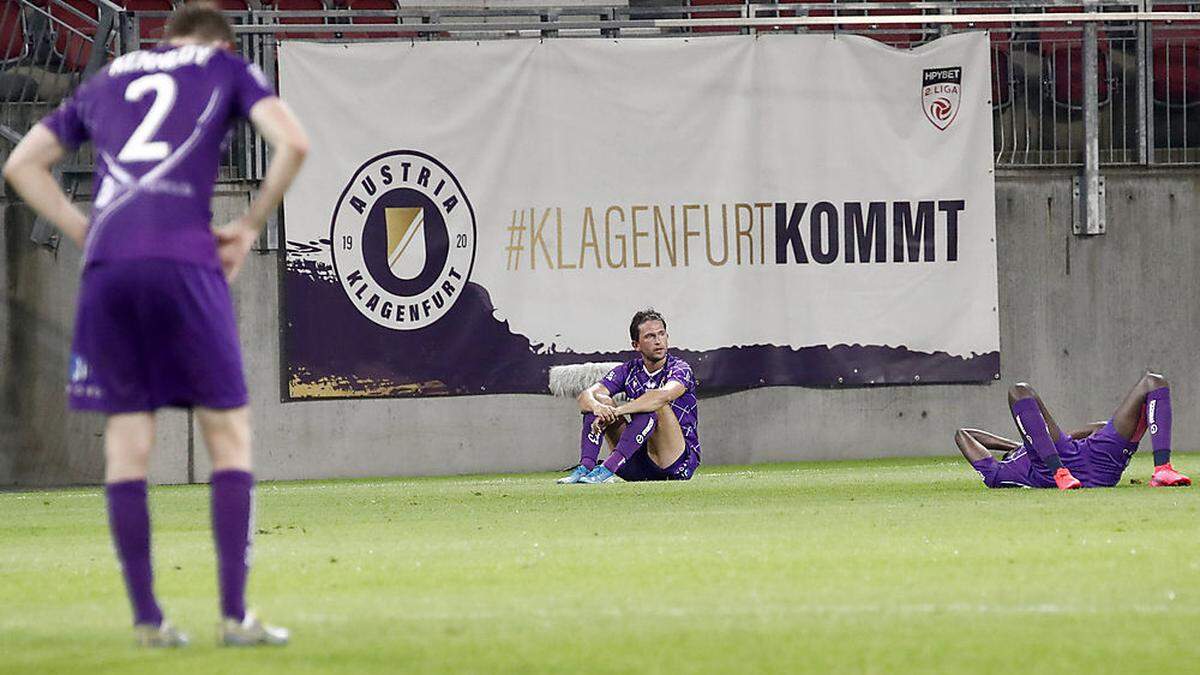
[[1097, 461], [157, 119], [633, 380]]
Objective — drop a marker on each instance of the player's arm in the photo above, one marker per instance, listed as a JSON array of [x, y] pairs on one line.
[[588, 402], [28, 171], [653, 399], [992, 441], [275, 122], [1087, 430]]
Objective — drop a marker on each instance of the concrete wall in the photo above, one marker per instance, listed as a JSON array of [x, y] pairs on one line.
[[1080, 318]]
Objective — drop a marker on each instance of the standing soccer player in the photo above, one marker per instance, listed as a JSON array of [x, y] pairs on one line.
[[660, 440], [155, 325]]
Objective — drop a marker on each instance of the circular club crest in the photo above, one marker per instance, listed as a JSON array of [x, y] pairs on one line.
[[403, 238]]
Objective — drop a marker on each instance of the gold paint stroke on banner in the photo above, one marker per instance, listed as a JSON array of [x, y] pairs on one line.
[[337, 386]]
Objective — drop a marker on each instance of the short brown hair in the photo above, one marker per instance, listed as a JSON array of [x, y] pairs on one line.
[[635, 326], [202, 20]]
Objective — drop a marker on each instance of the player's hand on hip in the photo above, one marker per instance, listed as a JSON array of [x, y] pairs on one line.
[[233, 244]]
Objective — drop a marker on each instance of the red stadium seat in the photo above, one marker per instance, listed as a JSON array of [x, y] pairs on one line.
[[74, 31], [902, 35], [817, 12], [1001, 76], [386, 5], [714, 14], [1177, 72], [1176, 59], [301, 6], [150, 28], [1061, 44], [1000, 33], [785, 12], [13, 43], [1001, 37], [238, 11]]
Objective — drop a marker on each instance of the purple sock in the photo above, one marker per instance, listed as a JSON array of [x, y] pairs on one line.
[[1033, 428], [1158, 416], [129, 522], [589, 442], [232, 513], [640, 428]]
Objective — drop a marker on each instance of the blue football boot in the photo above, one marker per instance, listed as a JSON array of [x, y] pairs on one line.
[[599, 475], [576, 476]]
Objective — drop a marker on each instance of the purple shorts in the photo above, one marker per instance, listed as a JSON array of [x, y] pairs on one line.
[[640, 467], [1097, 461], [151, 334]]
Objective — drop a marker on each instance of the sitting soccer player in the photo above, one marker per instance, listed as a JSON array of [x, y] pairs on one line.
[[1094, 456], [659, 441]]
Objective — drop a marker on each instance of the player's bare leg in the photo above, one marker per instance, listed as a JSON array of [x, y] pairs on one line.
[[666, 446], [977, 447], [989, 441], [1040, 431], [128, 441], [971, 448], [1129, 418], [227, 436], [1148, 407]]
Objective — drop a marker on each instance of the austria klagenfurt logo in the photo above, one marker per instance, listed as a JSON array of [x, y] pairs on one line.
[[403, 238], [941, 95]]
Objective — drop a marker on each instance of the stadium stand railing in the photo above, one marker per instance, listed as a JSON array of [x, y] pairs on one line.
[[1141, 107], [47, 47]]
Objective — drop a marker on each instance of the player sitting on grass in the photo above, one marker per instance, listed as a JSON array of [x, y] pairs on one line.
[[155, 326], [659, 441], [1094, 456]]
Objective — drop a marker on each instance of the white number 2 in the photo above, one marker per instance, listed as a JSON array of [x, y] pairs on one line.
[[139, 147]]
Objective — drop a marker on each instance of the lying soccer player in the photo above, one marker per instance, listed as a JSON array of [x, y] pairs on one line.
[[659, 442], [1094, 456]]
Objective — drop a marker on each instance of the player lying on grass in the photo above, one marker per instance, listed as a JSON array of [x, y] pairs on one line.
[[659, 441], [1094, 456], [155, 324]]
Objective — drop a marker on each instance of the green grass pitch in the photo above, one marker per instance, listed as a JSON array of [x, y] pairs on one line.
[[880, 566]]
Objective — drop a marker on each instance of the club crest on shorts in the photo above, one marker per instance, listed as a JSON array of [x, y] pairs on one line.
[[941, 95], [79, 368], [403, 238]]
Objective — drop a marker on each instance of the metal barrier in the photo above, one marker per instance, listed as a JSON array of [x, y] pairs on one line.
[[46, 50], [1074, 83]]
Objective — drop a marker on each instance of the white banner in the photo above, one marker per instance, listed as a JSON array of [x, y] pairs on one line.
[[804, 209]]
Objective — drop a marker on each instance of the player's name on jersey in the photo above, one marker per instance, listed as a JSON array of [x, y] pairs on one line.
[[148, 61], [736, 234]]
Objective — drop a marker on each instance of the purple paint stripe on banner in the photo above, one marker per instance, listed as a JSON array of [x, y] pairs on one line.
[[332, 351]]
